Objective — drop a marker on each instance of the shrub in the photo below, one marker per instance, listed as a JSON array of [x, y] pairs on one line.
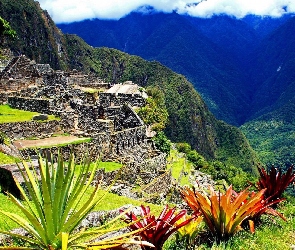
[[162, 142]]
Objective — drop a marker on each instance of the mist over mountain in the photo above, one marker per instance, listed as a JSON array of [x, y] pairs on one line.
[[215, 54]]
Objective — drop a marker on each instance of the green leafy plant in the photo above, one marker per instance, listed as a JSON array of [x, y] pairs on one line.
[[224, 213], [162, 142], [157, 230], [53, 207], [154, 113], [5, 29]]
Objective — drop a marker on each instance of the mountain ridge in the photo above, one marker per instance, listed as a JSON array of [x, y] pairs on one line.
[[212, 53], [189, 118]]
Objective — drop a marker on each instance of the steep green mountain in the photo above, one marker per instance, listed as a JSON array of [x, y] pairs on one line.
[[272, 131], [189, 118], [37, 35], [214, 54], [274, 83], [178, 43], [273, 135]]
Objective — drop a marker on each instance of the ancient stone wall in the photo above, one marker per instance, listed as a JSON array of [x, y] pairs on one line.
[[111, 99], [30, 104], [128, 138], [124, 117], [21, 130]]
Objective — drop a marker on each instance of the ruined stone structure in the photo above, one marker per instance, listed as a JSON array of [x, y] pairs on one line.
[[105, 114]]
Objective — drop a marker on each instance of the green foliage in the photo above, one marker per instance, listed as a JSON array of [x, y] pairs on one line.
[[218, 170], [162, 142], [5, 29], [154, 113], [272, 136]]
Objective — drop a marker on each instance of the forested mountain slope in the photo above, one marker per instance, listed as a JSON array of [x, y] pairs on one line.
[[215, 54], [189, 118]]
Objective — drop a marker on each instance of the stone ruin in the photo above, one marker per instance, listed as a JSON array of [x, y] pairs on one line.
[[87, 107]]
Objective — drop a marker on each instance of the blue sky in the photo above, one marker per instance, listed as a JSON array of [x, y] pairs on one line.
[[63, 11]]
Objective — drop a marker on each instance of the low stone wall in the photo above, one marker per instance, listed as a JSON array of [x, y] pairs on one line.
[[30, 104], [109, 100], [22, 130], [127, 139]]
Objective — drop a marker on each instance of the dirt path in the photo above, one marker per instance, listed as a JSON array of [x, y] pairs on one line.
[[46, 142]]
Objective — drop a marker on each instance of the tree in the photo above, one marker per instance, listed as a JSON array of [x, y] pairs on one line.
[[5, 29], [154, 113]]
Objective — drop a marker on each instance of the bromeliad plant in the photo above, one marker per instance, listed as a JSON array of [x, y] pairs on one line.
[[186, 234], [224, 213], [157, 230], [53, 207], [275, 182]]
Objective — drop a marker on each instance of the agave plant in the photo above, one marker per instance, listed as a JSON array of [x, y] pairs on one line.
[[53, 207], [275, 182], [224, 213], [157, 230]]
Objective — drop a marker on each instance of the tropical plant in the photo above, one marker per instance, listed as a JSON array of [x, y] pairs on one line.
[[157, 230], [52, 206], [186, 235], [275, 182], [224, 213]]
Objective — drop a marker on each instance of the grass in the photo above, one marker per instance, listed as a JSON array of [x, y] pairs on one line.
[[108, 166], [178, 163], [8, 115], [6, 159]]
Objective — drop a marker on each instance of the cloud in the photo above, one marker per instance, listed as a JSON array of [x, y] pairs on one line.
[[76, 10]]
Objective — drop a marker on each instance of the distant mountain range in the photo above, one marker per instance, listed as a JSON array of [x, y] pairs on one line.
[[229, 61]]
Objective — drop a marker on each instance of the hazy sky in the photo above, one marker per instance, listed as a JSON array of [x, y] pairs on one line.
[[77, 10]]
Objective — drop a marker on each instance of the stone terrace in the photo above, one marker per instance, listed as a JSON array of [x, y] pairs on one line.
[[105, 114]]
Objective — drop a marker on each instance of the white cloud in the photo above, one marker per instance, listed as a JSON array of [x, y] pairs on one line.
[[77, 10]]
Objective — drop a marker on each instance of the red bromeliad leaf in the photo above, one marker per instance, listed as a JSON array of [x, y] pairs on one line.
[[275, 182], [158, 229]]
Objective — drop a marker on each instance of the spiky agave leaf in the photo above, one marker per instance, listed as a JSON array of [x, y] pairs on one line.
[[53, 207]]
